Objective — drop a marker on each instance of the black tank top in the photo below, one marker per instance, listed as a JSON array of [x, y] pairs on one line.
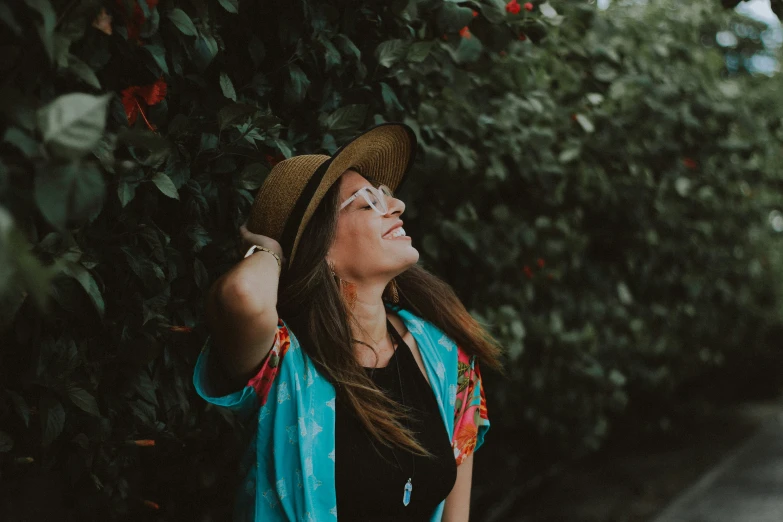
[[370, 487]]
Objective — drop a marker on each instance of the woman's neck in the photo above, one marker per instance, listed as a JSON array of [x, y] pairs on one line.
[[369, 316]]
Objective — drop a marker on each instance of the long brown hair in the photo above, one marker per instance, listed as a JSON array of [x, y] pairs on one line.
[[311, 304]]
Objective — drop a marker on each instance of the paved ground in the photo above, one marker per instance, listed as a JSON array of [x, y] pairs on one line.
[[747, 486]]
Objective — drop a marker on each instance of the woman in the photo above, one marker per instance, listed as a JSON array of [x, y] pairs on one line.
[[360, 367]]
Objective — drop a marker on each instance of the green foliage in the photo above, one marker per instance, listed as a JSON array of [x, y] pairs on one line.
[[598, 194], [608, 192], [131, 150]]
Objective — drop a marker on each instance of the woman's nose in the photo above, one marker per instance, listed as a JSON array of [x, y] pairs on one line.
[[396, 206]]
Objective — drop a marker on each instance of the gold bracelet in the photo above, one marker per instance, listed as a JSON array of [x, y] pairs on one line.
[[253, 248]]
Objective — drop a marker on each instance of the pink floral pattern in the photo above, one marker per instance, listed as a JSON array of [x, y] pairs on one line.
[[470, 408]]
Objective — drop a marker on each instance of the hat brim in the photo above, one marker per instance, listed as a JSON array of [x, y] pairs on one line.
[[385, 153]]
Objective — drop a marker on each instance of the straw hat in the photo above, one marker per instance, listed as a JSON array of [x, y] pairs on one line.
[[293, 189]]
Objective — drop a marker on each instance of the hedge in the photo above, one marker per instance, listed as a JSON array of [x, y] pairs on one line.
[[595, 191]]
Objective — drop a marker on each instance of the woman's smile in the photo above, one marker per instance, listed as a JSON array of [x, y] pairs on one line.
[[397, 233]]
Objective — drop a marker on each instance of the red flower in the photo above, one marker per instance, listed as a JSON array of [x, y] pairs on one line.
[[540, 262], [102, 22], [136, 19], [690, 163], [475, 14], [183, 329], [513, 7], [528, 272], [529, 6], [134, 96], [522, 37], [465, 32], [274, 160]]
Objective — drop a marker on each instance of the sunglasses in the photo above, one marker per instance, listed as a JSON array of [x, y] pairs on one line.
[[377, 198]]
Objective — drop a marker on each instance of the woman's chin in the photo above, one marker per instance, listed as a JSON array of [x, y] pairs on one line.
[[413, 258]]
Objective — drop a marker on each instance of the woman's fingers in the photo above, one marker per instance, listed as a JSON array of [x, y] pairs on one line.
[[249, 239]]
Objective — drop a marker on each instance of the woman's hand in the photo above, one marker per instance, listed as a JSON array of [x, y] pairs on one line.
[[249, 239]]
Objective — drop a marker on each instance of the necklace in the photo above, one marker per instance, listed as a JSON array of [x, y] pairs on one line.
[[408, 488], [395, 336]]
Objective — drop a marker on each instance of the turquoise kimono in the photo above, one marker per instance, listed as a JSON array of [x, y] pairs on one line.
[[288, 469]]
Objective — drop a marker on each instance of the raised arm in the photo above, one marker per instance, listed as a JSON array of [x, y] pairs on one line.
[[241, 313]]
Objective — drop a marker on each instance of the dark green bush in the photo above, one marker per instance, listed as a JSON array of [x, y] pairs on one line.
[[598, 193]]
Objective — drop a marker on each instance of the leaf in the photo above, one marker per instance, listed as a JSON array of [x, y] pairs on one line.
[[232, 6], [86, 280], [585, 122], [147, 271], [227, 87], [165, 185], [617, 378], [52, 417], [604, 72], [145, 387], [7, 16], [200, 237], [624, 294], [594, 98], [390, 52], [331, 56], [233, 112], [143, 139], [206, 48], [21, 407], [329, 144], [253, 176], [126, 192], [347, 46], [46, 30], [298, 84], [83, 71], [390, 98], [348, 117], [469, 50], [208, 142], [283, 147], [682, 186], [200, 275], [494, 11], [547, 10], [69, 191], [419, 51], [183, 22], [82, 399], [158, 54], [6, 442], [570, 154], [73, 123], [22, 141], [453, 17]]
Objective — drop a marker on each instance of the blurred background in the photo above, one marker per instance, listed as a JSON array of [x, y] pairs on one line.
[[600, 182]]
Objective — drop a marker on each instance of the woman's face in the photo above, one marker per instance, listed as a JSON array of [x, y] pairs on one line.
[[363, 250]]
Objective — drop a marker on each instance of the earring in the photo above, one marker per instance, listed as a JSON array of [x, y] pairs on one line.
[[347, 289], [391, 289]]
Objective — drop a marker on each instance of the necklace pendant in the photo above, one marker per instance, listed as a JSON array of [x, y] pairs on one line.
[[406, 496]]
